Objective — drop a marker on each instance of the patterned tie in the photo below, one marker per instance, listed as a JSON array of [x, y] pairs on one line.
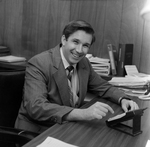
[[69, 68], [72, 86]]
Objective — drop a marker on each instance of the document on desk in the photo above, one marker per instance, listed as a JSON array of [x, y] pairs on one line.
[[53, 142]]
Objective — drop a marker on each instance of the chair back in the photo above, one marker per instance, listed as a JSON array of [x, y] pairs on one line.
[[11, 91]]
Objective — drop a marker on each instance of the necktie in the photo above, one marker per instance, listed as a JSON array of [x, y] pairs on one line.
[[73, 85], [69, 68]]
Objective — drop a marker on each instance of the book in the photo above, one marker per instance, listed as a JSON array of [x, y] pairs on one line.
[[115, 52], [112, 59], [3, 47], [4, 51], [125, 53], [98, 60], [12, 66], [101, 66]]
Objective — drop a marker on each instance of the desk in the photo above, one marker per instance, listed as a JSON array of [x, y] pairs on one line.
[[95, 133]]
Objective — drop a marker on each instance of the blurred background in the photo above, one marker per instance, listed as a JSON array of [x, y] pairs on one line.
[[29, 27]]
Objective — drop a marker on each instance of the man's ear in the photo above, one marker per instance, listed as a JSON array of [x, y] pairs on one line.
[[63, 39]]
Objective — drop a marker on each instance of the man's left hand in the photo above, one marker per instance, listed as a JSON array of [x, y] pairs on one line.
[[128, 105]]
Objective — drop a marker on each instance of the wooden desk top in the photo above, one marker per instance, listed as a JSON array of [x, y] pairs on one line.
[[96, 134]]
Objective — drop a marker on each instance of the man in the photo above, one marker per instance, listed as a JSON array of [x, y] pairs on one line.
[[51, 97]]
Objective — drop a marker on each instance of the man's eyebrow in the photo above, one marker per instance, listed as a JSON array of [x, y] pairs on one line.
[[87, 44], [76, 39]]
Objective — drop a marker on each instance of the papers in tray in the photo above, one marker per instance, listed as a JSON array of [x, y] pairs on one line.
[[12, 58], [53, 142]]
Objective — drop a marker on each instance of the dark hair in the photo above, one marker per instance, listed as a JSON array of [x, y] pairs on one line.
[[76, 25]]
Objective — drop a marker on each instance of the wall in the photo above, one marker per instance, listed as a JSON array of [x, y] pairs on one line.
[[29, 27]]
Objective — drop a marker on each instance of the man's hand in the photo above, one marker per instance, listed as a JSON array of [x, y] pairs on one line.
[[96, 111], [128, 105]]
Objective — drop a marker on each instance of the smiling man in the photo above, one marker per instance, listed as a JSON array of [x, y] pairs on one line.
[[57, 80]]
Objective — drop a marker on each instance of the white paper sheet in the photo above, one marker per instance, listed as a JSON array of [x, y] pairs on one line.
[[53, 142], [12, 58]]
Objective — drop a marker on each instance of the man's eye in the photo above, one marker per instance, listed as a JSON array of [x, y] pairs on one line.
[[86, 46], [76, 42]]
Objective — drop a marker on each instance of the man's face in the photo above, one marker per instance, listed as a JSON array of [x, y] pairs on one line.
[[76, 46]]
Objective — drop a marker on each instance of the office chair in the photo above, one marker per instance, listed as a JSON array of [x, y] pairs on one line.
[[11, 88]]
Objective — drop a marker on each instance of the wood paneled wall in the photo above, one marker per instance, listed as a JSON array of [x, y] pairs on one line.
[[29, 27]]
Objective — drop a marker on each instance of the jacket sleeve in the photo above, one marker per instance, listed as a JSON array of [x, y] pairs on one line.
[[102, 88]]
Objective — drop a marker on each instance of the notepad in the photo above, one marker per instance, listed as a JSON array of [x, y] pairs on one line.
[[12, 58], [53, 142]]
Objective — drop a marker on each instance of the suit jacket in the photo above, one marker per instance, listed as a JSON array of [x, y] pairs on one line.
[[46, 93]]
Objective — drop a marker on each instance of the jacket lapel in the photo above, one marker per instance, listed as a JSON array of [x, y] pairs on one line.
[[83, 78], [60, 77]]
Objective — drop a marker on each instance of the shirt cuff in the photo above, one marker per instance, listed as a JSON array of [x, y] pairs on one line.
[[121, 98]]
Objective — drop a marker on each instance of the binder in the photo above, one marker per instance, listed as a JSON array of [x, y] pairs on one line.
[[125, 54], [112, 59]]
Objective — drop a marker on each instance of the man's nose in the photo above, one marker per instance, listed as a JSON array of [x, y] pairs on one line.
[[79, 48]]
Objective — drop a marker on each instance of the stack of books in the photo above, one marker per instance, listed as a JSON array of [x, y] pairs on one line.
[[12, 63], [4, 51], [9, 62], [100, 65]]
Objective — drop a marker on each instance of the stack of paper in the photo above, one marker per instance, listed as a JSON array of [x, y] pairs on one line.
[[128, 81], [100, 65], [133, 72], [132, 86]]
